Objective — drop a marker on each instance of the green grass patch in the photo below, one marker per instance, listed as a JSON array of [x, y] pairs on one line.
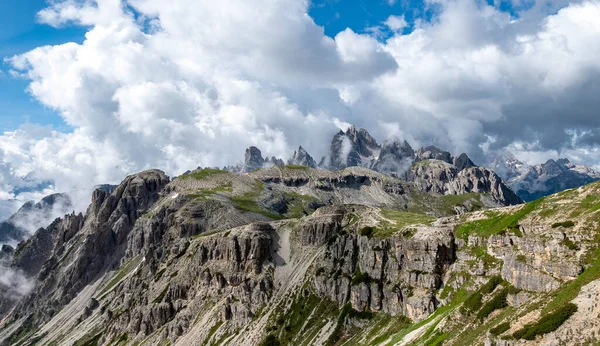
[[570, 244], [488, 260], [298, 204], [437, 339], [499, 329], [497, 223], [497, 302], [300, 322], [547, 323], [306, 168], [450, 201], [472, 304], [441, 312], [88, 340], [247, 202], [367, 231], [203, 173], [564, 224], [212, 332], [270, 340], [360, 277], [491, 285], [209, 193], [568, 291], [591, 202], [399, 219], [162, 295]]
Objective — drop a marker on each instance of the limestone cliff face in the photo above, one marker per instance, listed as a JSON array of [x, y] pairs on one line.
[[82, 252], [443, 178], [396, 275]]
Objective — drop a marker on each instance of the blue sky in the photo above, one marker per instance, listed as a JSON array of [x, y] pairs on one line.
[[337, 15], [20, 33]]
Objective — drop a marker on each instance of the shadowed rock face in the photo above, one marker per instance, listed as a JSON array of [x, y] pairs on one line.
[[395, 157], [97, 244], [352, 148], [32, 216], [302, 158], [253, 160], [463, 161], [434, 153]]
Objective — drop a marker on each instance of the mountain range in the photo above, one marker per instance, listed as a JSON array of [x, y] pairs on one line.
[[358, 148], [32, 216], [375, 245], [533, 182]]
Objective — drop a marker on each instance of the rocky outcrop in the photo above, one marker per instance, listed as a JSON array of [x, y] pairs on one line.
[[187, 263], [6, 254], [253, 160], [273, 161], [84, 253], [435, 176], [433, 153], [395, 275], [32, 216], [462, 162], [395, 157], [302, 158], [352, 148]]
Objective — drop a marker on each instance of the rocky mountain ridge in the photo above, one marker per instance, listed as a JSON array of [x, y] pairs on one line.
[[533, 182], [291, 255], [356, 147], [32, 216]]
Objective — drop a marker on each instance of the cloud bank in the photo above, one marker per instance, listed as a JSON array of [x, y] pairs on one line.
[[184, 83]]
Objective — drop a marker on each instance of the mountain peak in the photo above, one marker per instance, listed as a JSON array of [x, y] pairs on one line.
[[434, 153], [353, 148], [253, 159], [302, 158], [395, 157]]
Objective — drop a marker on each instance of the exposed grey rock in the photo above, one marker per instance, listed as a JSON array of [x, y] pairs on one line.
[[273, 161], [32, 216], [395, 157], [434, 153], [253, 159], [353, 148], [397, 274], [523, 276], [97, 247], [443, 178], [463, 161], [533, 182], [302, 158]]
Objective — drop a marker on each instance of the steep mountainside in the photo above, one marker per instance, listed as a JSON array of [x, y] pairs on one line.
[[32, 216], [296, 256], [533, 182]]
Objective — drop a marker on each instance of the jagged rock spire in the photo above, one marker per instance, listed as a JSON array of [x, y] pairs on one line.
[[253, 159], [302, 158], [395, 157], [463, 161], [353, 148]]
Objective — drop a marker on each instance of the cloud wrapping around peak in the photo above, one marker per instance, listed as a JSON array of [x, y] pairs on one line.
[[178, 84]]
